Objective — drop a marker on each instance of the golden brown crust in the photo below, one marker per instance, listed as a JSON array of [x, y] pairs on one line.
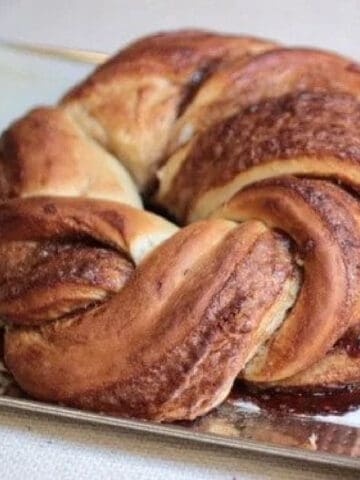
[[148, 351], [216, 299], [59, 255], [117, 225], [288, 132], [339, 367], [43, 281], [324, 222], [176, 55], [130, 104], [243, 82], [45, 153]]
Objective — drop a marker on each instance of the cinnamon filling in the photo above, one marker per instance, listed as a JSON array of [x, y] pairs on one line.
[[313, 400], [45, 281]]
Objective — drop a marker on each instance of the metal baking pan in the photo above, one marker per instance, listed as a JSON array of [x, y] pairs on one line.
[[27, 79], [232, 425]]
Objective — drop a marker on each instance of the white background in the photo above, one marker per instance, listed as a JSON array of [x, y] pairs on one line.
[[34, 447], [106, 24]]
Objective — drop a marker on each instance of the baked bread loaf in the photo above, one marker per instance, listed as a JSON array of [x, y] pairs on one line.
[[149, 84], [255, 150]]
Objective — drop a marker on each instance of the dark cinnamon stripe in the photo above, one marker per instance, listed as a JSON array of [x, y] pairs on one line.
[[308, 125]]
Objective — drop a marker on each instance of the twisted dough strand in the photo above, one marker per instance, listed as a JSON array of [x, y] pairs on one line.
[[309, 133], [131, 103], [46, 153], [148, 351], [73, 252], [109, 307], [324, 222]]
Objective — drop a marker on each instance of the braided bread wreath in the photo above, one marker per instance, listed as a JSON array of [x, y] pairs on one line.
[[256, 147]]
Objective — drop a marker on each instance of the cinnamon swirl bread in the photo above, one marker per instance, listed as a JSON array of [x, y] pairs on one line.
[[254, 149]]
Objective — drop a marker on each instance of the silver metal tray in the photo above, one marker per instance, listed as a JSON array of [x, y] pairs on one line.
[[230, 426], [328, 440], [234, 424]]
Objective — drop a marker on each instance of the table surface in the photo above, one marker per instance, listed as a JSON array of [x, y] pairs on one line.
[[40, 447]]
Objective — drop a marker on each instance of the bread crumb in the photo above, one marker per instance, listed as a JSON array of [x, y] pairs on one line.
[[313, 441]]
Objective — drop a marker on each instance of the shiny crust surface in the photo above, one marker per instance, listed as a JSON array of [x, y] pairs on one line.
[[240, 83], [118, 225], [45, 153], [148, 350], [111, 308], [176, 53], [41, 282], [130, 103], [319, 126], [324, 222], [61, 255]]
